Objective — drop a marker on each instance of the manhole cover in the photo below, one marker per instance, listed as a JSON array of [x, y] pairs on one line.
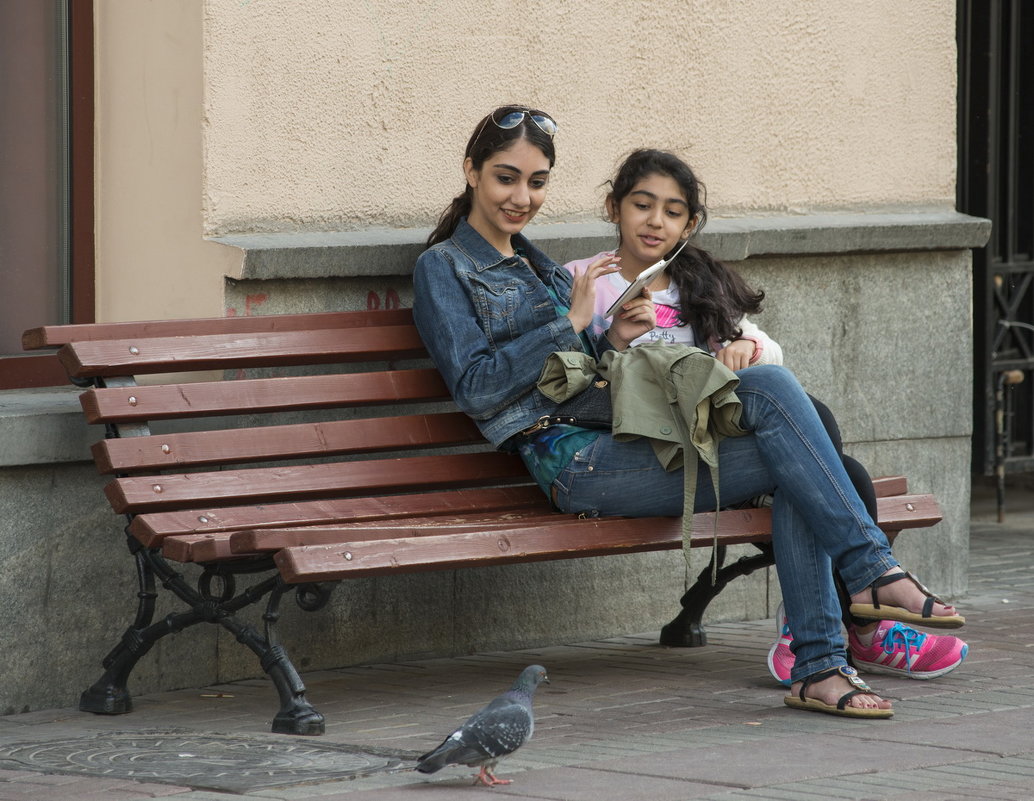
[[211, 761]]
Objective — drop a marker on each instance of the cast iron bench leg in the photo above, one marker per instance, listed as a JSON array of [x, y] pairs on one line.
[[687, 630], [109, 694], [296, 715]]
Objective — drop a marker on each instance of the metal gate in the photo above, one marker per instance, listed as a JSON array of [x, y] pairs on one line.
[[996, 180]]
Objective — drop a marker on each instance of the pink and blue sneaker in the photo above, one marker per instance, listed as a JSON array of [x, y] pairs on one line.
[[896, 649], [900, 650], [780, 657]]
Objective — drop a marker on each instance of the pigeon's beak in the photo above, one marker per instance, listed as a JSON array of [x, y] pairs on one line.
[[546, 680]]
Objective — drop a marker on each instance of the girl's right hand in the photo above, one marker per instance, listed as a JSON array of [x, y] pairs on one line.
[[583, 290]]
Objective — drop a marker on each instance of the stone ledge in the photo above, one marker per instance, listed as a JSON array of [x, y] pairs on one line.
[[46, 426], [393, 251], [43, 426]]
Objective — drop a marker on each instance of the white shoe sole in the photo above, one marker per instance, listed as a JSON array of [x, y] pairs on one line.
[[920, 675]]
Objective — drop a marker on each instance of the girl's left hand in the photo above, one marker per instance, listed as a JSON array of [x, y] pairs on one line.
[[636, 318], [737, 354]]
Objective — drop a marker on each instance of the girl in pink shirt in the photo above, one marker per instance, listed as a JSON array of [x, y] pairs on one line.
[[655, 200], [657, 203]]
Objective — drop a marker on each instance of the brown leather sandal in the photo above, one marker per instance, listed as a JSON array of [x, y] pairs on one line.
[[878, 611], [841, 708]]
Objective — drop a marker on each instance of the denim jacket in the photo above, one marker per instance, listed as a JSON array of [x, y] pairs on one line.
[[489, 324]]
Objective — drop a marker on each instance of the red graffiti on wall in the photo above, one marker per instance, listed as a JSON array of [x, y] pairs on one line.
[[251, 302], [391, 300]]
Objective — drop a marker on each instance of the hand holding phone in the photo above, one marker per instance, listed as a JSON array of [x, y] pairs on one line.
[[635, 289]]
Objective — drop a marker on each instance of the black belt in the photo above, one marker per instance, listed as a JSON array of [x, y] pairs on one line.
[[546, 421]]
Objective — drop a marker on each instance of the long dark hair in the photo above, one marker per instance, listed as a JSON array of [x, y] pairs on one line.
[[712, 296], [487, 140]]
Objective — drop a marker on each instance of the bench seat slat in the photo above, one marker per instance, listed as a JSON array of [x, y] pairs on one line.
[[236, 544], [268, 540], [886, 486], [151, 529], [895, 514], [272, 484], [567, 538], [256, 395], [54, 336], [85, 359], [198, 548], [272, 443]]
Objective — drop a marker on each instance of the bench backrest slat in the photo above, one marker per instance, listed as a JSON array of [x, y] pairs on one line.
[[260, 395], [273, 443], [271, 484], [54, 336], [86, 359]]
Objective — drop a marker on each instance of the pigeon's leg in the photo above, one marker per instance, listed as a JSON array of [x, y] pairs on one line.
[[488, 779]]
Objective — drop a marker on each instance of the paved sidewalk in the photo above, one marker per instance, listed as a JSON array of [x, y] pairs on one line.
[[623, 719]]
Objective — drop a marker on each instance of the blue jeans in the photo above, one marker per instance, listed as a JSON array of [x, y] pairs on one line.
[[818, 520]]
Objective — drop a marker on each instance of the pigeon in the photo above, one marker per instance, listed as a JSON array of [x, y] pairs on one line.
[[497, 729]]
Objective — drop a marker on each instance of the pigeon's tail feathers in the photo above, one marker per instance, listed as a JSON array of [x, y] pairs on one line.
[[433, 761], [453, 751]]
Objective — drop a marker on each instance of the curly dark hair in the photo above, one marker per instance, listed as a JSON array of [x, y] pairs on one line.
[[713, 297]]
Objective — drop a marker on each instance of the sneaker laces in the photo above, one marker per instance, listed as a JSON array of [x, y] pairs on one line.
[[900, 637]]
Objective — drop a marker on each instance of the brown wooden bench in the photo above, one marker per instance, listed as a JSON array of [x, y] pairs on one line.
[[294, 506]]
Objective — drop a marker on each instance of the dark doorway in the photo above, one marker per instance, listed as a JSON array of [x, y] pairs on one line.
[[996, 181]]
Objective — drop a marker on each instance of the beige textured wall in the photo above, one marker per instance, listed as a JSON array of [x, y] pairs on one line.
[[349, 114], [152, 261], [226, 116]]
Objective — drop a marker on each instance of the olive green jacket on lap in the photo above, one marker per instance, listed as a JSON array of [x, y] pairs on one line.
[[674, 395], [678, 397]]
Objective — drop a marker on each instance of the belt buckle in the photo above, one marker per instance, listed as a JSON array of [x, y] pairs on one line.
[[541, 423]]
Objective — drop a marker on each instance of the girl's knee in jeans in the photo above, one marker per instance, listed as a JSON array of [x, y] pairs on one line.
[[767, 385], [768, 376]]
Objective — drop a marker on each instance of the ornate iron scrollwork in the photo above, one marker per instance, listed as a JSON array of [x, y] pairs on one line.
[[313, 597], [227, 585]]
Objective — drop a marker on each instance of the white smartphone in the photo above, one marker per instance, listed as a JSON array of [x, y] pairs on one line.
[[635, 289]]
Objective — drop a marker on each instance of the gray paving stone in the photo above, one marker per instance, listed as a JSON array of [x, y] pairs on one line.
[[1004, 733], [626, 718]]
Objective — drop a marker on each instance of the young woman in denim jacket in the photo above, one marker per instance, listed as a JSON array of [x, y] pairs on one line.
[[647, 195], [491, 307]]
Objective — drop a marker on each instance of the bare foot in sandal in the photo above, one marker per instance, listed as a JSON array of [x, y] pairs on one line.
[[897, 595], [838, 691]]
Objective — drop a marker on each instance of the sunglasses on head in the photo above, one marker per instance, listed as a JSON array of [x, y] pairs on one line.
[[512, 119]]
